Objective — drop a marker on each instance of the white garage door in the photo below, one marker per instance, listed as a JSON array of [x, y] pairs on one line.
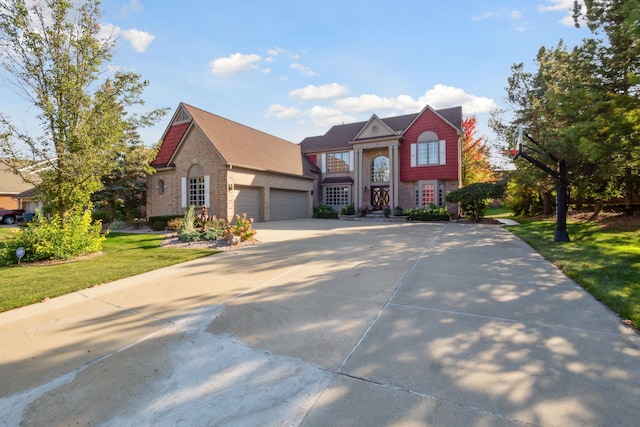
[[247, 200], [287, 204]]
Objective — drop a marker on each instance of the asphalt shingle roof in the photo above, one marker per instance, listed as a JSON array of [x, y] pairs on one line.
[[237, 144], [339, 136]]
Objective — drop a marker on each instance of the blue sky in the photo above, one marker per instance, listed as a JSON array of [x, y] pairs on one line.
[[294, 68]]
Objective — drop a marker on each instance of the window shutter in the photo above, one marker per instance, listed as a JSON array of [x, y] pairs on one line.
[[207, 195], [323, 162], [183, 191], [443, 152], [351, 161], [414, 155]]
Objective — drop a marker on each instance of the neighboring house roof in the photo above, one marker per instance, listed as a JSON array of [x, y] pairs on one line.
[[10, 182], [237, 144], [339, 136]]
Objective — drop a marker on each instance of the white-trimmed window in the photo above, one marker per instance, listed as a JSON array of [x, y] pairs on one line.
[[337, 195], [339, 162], [195, 188], [196, 191], [428, 150]]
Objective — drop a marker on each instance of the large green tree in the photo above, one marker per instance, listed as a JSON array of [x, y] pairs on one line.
[[54, 58], [612, 132], [582, 105]]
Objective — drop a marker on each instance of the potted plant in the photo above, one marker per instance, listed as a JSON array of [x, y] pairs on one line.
[[363, 210], [386, 210]]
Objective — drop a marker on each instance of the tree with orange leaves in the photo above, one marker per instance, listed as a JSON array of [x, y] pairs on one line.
[[475, 155]]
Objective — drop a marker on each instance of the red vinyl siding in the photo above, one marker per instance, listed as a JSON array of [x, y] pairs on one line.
[[170, 143], [429, 121]]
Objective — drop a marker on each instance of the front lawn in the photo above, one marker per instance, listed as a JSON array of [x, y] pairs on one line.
[[603, 257], [124, 255]]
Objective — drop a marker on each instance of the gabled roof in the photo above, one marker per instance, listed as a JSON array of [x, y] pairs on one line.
[[10, 182], [237, 144], [339, 136]]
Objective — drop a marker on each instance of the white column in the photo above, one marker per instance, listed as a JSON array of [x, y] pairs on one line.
[[357, 186], [396, 175]]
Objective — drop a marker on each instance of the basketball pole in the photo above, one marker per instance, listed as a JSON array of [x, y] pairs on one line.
[[562, 183]]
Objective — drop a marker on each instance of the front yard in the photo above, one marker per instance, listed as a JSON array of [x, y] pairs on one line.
[[603, 257], [123, 255]]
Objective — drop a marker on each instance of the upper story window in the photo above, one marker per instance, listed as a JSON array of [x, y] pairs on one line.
[[380, 169], [428, 149], [338, 162]]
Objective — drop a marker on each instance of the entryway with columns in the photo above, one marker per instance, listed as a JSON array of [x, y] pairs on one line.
[[376, 173]]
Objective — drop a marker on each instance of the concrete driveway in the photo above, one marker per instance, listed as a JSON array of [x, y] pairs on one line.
[[328, 323]]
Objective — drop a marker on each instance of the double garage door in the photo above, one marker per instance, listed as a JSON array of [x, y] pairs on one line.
[[284, 204]]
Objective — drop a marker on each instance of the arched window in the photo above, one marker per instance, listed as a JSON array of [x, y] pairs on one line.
[[161, 186], [380, 169], [196, 187], [428, 149]]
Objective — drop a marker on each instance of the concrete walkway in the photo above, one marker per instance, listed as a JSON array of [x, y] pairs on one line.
[[328, 323]]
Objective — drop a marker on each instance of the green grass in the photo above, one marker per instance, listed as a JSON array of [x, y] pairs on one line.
[[497, 212], [603, 259], [124, 255]]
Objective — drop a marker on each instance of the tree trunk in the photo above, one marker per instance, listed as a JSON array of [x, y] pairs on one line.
[[547, 202], [628, 192]]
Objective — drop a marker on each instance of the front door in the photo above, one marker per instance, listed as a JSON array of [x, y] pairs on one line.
[[379, 197]]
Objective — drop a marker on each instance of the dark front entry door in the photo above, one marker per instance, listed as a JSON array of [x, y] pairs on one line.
[[379, 197]]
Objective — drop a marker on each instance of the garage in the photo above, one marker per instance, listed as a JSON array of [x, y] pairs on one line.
[[248, 200], [287, 204]]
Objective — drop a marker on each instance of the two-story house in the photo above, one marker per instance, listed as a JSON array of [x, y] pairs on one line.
[[408, 161]]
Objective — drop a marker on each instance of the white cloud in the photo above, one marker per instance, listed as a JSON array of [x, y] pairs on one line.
[[367, 102], [556, 5], [133, 6], [234, 63], [482, 17], [559, 6], [516, 14], [140, 40], [327, 91], [282, 112], [278, 51], [442, 96], [325, 116], [305, 71]]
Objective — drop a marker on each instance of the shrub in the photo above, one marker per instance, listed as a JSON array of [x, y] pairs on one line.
[[136, 223], [116, 225], [189, 236], [324, 211], [523, 200], [398, 211], [474, 198], [158, 225], [432, 213], [214, 229], [212, 233], [101, 216], [243, 228], [165, 218], [174, 224], [187, 231], [48, 239], [348, 210]]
